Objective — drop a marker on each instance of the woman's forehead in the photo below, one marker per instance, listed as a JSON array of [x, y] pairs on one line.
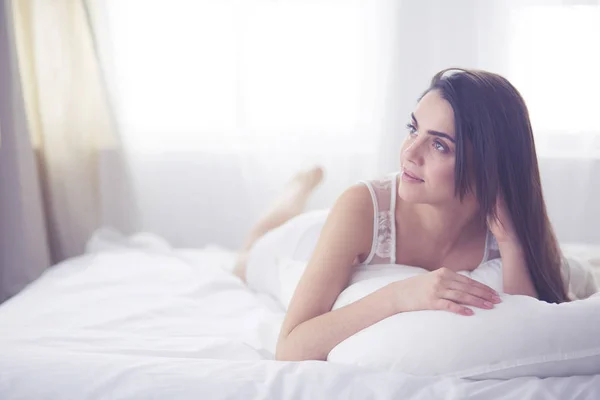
[[435, 113]]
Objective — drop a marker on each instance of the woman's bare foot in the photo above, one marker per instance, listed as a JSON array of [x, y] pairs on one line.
[[290, 203], [292, 200]]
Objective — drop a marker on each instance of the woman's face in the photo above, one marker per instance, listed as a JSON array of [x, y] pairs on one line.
[[429, 153]]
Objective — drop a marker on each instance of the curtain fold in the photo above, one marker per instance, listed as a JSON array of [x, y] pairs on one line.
[[24, 252], [68, 116]]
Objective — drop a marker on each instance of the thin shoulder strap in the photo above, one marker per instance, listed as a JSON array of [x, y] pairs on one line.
[[375, 221], [384, 200], [491, 250], [393, 196]]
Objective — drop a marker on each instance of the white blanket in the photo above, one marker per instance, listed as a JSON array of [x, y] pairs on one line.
[[135, 319]]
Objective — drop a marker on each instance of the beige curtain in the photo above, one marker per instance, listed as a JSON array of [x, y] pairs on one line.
[[68, 116], [24, 251]]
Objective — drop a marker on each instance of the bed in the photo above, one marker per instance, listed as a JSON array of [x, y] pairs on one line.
[[134, 318]]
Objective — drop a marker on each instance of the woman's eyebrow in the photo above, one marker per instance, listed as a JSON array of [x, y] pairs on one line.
[[431, 132]]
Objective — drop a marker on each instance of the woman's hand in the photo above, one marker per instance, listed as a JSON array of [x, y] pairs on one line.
[[502, 226], [443, 289]]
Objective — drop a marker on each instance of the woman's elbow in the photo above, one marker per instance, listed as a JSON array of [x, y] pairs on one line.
[[283, 352], [286, 351], [281, 355]]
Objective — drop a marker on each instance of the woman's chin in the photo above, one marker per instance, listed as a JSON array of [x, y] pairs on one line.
[[409, 195]]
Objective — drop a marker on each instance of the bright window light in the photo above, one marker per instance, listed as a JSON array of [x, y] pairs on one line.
[[555, 64], [216, 74]]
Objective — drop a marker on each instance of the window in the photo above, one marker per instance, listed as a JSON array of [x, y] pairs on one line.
[[555, 63], [229, 74]]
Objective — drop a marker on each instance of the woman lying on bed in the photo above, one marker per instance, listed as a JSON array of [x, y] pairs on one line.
[[468, 191]]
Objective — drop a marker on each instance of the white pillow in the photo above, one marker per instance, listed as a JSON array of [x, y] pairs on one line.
[[584, 268], [521, 336]]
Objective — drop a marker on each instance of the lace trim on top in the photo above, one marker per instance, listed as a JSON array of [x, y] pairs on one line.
[[383, 247]]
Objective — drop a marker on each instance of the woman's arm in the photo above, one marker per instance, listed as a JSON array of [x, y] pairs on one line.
[[515, 274], [310, 329], [315, 338]]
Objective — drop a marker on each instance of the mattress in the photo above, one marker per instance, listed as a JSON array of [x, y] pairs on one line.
[[139, 320]]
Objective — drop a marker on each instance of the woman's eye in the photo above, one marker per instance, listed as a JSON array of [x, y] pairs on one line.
[[439, 146], [411, 129]]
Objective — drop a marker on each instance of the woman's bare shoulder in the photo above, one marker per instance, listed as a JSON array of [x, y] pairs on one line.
[[356, 197], [352, 214]]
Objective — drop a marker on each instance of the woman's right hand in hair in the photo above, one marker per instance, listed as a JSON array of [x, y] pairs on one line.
[[443, 289]]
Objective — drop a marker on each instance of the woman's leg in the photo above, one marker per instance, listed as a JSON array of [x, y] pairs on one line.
[[288, 204]]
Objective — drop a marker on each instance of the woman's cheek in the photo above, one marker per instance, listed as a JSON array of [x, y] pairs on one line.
[[445, 177]]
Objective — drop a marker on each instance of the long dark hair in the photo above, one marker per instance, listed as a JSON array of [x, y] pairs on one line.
[[492, 119]]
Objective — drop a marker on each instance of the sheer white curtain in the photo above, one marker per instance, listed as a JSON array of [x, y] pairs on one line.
[[55, 122], [554, 61], [219, 102]]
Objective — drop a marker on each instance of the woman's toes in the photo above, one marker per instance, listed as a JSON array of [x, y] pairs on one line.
[[308, 179], [314, 176]]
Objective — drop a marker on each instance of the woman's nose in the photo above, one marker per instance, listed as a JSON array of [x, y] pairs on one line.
[[413, 152]]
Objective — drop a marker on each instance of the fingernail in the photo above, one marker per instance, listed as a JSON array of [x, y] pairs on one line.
[[496, 299], [468, 311], [488, 304]]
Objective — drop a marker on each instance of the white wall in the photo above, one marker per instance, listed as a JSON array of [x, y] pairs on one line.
[[572, 191]]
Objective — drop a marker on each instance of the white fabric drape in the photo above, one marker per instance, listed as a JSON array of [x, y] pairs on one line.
[[69, 117], [227, 99], [222, 106], [24, 252], [58, 140]]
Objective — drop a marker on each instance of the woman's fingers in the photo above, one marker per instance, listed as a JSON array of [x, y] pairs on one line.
[[454, 291], [474, 284], [465, 298], [447, 305], [474, 290]]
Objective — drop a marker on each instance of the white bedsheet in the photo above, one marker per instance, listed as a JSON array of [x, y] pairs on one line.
[[138, 320]]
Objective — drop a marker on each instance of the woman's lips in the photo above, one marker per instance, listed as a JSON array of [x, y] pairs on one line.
[[409, 177]]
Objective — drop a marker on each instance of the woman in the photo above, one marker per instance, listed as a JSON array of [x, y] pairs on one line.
[[468, 191]]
